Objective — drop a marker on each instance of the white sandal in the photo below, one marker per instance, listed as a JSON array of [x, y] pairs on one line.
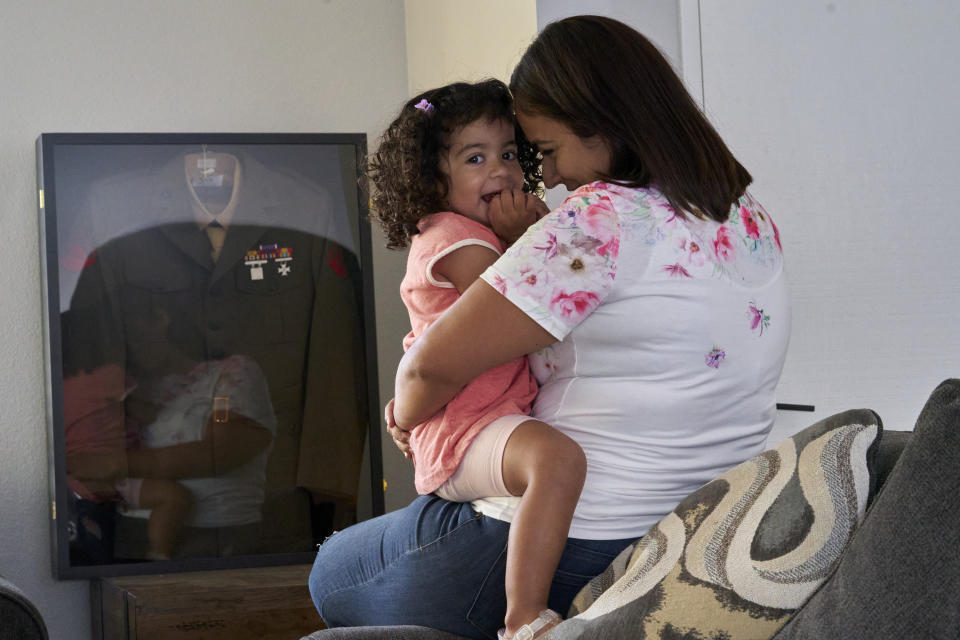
[[547, 617]]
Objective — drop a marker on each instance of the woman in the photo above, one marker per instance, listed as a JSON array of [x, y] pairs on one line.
[[653, 305]]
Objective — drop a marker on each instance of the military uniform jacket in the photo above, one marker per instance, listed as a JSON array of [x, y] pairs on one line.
[[281, 293]]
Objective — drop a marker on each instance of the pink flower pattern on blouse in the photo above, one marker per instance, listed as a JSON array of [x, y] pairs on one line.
[[690, 253], [758, 319], [715, 357], [723, 244], [707, 249], [676, 270], [751, 226], [574, 305], [564, 266], [575, 250]]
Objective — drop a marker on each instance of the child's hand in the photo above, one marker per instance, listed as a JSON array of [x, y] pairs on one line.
[[400, 437], [511, 212]]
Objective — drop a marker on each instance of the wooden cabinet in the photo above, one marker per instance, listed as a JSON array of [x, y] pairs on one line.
[[263, 604]]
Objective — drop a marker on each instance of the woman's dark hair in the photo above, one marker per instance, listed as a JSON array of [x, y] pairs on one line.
[[405, 169], [598, 76]]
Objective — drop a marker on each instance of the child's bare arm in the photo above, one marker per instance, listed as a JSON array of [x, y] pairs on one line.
[[463, 266]]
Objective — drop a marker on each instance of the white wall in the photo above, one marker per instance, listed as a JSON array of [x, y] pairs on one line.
[[142, 66], [453, 40], [845, 112]]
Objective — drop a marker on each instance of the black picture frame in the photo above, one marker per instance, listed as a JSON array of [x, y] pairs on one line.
[[101, 237]]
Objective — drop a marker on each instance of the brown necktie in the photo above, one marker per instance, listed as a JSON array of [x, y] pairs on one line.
[[216, 233]]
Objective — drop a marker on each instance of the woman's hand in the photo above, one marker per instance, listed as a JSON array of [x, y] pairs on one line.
[[512, 212], [400, 437]]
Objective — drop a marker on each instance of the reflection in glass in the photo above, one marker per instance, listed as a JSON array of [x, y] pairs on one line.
[[211, 330]]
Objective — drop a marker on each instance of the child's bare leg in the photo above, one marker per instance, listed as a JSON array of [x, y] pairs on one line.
[[547, 468], [170, 504]]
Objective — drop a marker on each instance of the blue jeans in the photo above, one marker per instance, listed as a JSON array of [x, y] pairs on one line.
[[436, 564]]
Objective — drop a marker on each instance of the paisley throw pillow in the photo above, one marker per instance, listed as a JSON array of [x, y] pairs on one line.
[[738, 556]]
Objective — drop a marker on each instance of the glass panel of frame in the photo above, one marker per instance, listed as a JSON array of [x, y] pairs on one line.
[[210, 346]]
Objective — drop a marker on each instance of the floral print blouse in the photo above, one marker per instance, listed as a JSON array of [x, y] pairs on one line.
[[672, 332]]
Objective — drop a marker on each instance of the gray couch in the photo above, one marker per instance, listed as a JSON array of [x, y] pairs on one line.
[[899, 576], [19, 619]]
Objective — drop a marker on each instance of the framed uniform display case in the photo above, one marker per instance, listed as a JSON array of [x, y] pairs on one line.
[[210, 348]]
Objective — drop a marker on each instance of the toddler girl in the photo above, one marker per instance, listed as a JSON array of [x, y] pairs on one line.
[[453, 158]]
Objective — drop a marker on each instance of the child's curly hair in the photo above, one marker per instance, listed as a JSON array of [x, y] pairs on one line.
[[405, 169]]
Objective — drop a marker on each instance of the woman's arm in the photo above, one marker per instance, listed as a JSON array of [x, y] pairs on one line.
[[224, 447], [480, 331]]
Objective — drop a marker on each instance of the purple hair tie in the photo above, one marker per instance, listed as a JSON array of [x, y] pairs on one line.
[[424, 106]]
